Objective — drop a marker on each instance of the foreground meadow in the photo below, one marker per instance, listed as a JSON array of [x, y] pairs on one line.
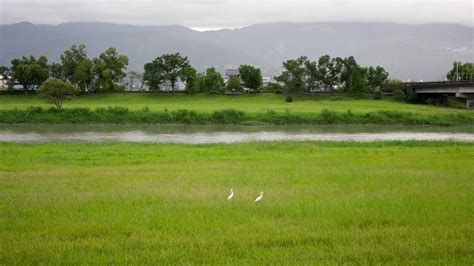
[[135, 203]]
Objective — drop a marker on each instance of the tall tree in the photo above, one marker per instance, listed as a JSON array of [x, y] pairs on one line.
[[294, 74], [168, 67], [329, 71], [4, 71], [313, 78], [77, 67], [376, 77], [29, 71], [213, 81], [56, 71], [109, 69], [353, 76], [251, 76], [192, 80]]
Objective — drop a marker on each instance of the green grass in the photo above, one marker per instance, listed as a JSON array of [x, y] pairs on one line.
[[208, 103], [139, 203]]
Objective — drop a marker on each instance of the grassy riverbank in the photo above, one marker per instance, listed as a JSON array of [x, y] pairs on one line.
[[258, 103], [141, 108], [138, 203]]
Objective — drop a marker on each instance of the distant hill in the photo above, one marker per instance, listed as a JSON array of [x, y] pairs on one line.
[[406, 51]]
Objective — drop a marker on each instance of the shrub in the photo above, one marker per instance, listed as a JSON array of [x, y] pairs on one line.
[[328, 117], [399, 95], [56, 91], [289, 99], [227, 116], [377, 95], [117, 110]]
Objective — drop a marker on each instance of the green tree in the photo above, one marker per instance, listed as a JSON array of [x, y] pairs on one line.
[[4, 71], [233, 84], [29, 71], [168, 67], [376, 77], [294, 74], [461, 71], [56, 71], [153, 76], [353, 76], [109, 69], [56, 91], [251, 76], [312, 75], [329, 71], [77, 67], [213, 81], [190, 75]]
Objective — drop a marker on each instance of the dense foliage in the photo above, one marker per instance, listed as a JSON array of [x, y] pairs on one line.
[[29, 71], [56, 91], [166, 68], [461, 72], [227, 116], [328, 74], [251, 76]]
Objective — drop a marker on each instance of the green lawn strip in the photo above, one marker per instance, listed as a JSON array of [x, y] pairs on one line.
[[258, 103]]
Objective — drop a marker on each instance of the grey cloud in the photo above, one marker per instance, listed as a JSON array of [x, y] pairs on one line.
[[232, 13]]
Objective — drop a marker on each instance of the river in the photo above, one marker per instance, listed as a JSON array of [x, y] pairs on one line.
[[199, 134]]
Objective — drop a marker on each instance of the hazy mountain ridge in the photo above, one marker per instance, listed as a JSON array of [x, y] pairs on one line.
[[406, 51]]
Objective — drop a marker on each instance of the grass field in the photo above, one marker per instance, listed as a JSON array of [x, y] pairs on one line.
[[208, 103], [135, 203]]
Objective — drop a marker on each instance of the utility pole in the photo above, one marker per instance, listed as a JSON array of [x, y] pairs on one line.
[[457, 71]]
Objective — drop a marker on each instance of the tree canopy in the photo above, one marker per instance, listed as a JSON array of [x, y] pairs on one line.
[[29, 70], [213, 81], [251, 76], [461, 71], [302, 74], [56, 91], [294, 74], [168, 67], [109, 69], [77, 67]]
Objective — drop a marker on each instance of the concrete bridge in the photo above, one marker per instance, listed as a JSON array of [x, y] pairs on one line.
[[460, 89]]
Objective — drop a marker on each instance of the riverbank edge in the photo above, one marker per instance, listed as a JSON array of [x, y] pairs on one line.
[[122, 115]]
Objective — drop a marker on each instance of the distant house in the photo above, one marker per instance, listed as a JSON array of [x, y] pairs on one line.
[[266, 81], [3, 82], [232, 72]]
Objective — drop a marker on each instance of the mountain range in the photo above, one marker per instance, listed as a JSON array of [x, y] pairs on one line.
[[408, 52]]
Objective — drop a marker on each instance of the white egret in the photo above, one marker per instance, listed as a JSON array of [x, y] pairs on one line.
[[259, 198], [231, 194]]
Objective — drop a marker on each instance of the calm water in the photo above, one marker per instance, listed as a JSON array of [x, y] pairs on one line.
[[197, 134]]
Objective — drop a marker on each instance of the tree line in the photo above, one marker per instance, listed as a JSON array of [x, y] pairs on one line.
[[106, 73], [99, 74], [328, 74]]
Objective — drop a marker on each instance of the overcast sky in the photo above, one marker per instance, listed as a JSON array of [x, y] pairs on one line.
[[210, 14]]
